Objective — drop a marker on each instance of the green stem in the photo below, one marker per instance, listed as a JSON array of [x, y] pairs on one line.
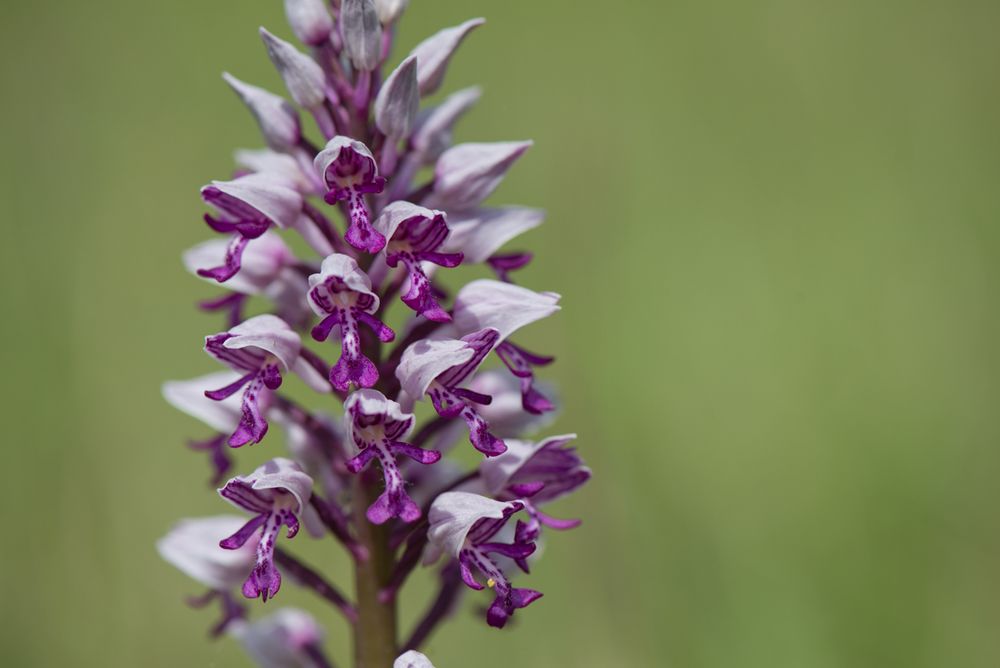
[[375, 631]]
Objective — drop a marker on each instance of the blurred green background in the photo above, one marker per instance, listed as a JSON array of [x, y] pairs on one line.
[[774, 225]]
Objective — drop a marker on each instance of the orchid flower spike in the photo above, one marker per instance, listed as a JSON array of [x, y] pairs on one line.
[[366, 464]]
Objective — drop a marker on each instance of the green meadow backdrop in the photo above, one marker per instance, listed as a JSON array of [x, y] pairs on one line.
[[774, 224]]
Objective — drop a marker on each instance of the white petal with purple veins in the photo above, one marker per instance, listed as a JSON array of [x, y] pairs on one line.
[[467, 174], [267, 192], [423, 361], [502, 306], [397, 213], [453, 515], [480, 233], [346, 269], [497, 471], [269, 333]]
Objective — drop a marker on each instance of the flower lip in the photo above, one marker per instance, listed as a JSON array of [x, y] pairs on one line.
[[261, 264]]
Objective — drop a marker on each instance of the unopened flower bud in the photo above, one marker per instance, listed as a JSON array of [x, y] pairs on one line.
[[310, 20], [362, 33], [303, 78], [278, 120], [398, 101], [389, 10]]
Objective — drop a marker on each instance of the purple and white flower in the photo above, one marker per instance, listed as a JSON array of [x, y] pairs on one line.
[[461, 525], [378, 427], [414, 235], [246, 208], [276, 494], [506, 308], [192, 546], [349, 171], [536, 473], [342, 295], [437, 368], [287, 638], [262, 349], [223, 416]]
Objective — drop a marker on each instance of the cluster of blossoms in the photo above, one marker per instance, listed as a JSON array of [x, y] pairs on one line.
[[370, 479]]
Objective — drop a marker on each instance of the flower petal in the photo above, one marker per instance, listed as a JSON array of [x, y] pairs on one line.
[[423, 361], [453, 514], [268, 333], [480, 233], [261, 196], [432, 134], [284, 475], [502, 306], [192, 546], [467, 174], [412, 659], [189, 396]]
